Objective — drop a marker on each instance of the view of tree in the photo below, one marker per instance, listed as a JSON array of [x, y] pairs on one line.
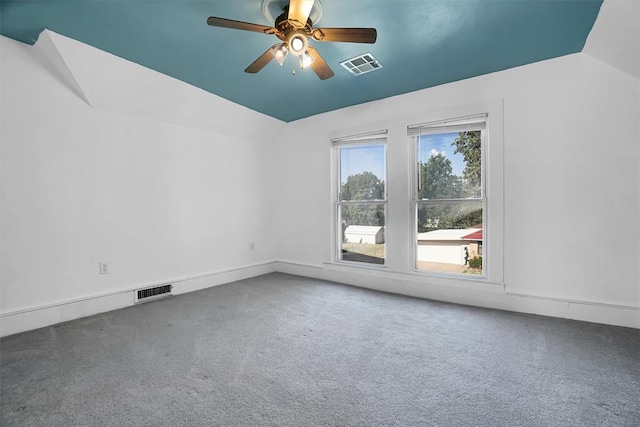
[[363, 215], [362, 186], [470, 216], [469, 145], [449, 215], [437, 182]]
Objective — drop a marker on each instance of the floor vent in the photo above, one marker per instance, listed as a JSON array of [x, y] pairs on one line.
[[361, 64], [144, 295]]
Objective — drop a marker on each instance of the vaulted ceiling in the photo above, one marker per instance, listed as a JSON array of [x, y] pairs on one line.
[[420, 43]]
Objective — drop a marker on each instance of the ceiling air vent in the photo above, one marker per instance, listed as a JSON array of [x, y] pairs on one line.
[[148, 294], [361, 64]]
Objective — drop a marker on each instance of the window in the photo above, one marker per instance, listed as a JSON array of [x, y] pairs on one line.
[[360, 198], [448, 202], [432, 209]]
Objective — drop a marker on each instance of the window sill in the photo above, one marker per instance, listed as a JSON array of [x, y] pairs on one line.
[[452, 276], [414, 275], [358, 265]]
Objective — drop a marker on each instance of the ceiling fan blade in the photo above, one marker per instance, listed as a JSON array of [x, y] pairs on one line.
[[299, 11], [261, 62], [319, 65], [239, 25], [353, 35]]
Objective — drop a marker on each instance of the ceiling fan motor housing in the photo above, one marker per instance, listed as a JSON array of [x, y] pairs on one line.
[[295, 37]]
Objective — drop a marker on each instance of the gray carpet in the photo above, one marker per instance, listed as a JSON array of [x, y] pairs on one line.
[[282, 350]]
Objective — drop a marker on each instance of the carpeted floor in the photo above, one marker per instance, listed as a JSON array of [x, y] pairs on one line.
[[282, 350]]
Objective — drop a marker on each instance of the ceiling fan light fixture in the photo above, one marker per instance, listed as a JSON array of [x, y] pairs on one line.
[[306, 59], [279, 52], [298, 44]]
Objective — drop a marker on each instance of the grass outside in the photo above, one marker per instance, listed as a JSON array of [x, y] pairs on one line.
[[372, 250]]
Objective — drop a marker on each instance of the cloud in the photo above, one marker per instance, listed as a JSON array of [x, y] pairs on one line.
[[434, 153]]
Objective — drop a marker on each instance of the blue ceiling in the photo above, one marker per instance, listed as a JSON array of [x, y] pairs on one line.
[[421, 43]]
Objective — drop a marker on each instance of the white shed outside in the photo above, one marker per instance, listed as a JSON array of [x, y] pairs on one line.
[[368, 234]]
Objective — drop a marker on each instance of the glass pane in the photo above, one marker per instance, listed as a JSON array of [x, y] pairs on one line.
[[450, 237], [362, 233], [449, 165], [362, 172]]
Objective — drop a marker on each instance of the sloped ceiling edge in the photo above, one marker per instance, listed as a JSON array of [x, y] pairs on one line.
[[615, 36]]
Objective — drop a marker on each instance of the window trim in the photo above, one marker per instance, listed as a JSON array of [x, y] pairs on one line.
[[462, 124], [368, 138], [492, 189]]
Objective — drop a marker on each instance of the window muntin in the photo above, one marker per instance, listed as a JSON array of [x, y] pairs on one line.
[[361, 201], [449, 203]]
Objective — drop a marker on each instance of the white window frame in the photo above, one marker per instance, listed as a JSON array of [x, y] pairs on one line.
[[453, 125], [369, 138], [492, 189]]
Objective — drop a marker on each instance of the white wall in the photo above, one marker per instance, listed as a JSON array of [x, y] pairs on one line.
[[571, 228], [159, 201]]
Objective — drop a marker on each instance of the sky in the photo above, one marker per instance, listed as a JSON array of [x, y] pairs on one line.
[[441, 143], [371, 158], [355, 159]]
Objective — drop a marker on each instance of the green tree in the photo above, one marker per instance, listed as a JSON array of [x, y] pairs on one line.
[[362, 186], [469, 216], [435, 215], [437, 180], [469, 144]]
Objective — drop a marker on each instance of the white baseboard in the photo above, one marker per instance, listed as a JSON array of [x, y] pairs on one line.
[[473, 293], [468, 293], [28, 318]]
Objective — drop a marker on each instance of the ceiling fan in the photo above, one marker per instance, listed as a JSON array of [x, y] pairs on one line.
[[295, 29]]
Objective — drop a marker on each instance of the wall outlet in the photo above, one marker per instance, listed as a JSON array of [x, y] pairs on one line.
[[104, 267], [252, 246]]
